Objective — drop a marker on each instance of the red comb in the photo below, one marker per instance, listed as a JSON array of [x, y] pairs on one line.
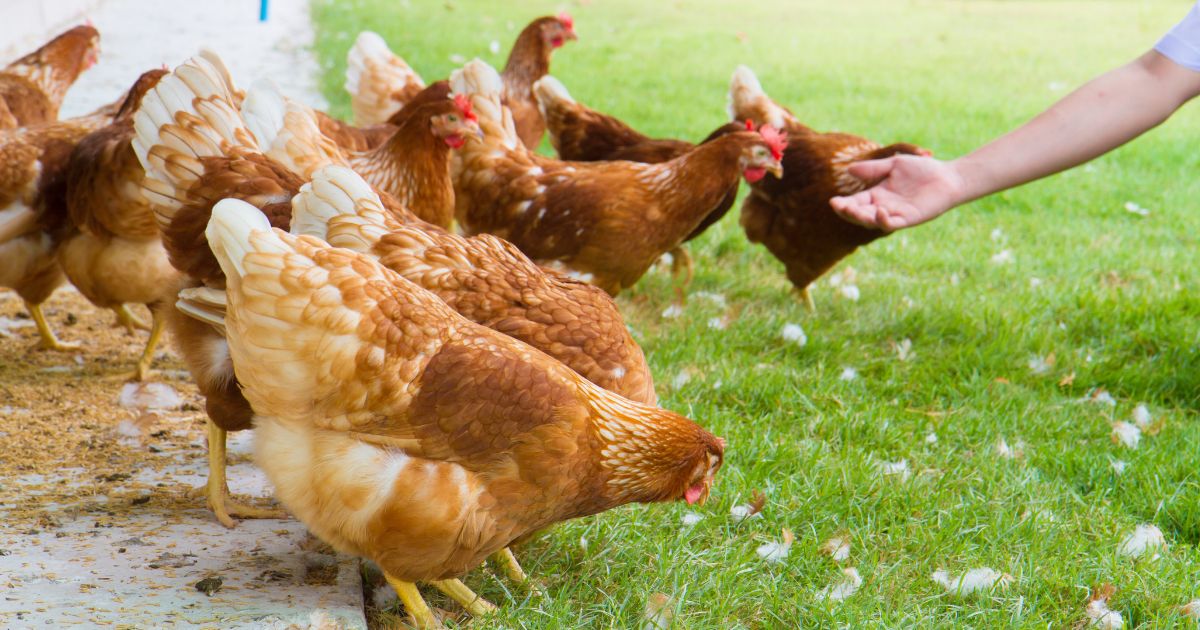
[[776, 140], [566, 20], [464, 105], [749, 125]]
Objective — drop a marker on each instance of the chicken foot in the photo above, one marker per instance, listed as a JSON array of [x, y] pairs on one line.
[[131, 322], [217, 491], [48, 340], [421, 613]]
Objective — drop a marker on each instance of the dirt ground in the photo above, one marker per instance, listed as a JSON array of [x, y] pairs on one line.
[[61, 410]]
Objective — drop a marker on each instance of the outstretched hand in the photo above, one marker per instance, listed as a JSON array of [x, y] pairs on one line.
[[910, 190]]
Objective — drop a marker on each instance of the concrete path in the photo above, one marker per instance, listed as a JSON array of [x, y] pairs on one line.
[[96, 528], [136, 36]]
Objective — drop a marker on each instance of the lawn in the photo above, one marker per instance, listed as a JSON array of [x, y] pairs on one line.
[[1088, 297]]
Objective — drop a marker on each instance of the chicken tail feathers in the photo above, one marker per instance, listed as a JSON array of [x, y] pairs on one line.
[[483, 85], [748, 101], [377, 80], [204, 304], [288, 131], [189, 115], [339, 207]]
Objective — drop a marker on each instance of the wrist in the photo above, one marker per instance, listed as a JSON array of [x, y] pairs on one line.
[[965, 181]]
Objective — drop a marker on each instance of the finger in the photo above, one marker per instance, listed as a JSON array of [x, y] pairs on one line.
[[872, 169], [857, 209]]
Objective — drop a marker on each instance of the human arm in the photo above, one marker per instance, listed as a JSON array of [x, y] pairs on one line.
[[1101, 115]]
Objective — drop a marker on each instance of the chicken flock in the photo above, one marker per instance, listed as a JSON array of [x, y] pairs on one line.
[[414, 312]]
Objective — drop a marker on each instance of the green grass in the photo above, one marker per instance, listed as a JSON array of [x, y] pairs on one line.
[[1114, 305]]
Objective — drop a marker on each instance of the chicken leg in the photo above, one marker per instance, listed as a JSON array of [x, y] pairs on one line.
[[805, 297], [128, 320], [217, 490], [466, 598], [143, 364], [511, 568], [681, 263], [414, 604], [48, 340]]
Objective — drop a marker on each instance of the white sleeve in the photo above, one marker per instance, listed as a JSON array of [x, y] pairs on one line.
[[1181, 44]]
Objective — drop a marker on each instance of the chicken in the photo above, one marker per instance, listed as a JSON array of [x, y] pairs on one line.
[[399, 431], [413, 166], [529, 61], [374, 71], [32, 88], [33, 211], [187, 162], [113, 254], [582, 134], [485, 279], [603, 222], [791, 216], [379, 82], [196, 152]]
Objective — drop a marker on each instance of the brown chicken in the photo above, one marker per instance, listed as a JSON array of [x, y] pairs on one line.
[[602, 222], [33, 210], [380, 83], [191, 165], [188, 163], [483, 278], [791, 216], [528, 61], [582, 134], [113, 254], [32, 88], [397, 430], [413, 165]]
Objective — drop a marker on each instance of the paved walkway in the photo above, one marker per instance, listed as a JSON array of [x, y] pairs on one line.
[[95, 528]]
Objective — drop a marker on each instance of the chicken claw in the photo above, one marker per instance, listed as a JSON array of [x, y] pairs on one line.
[[217, 490], [414, 603], [467, 598], [129, 321], [48, 340]]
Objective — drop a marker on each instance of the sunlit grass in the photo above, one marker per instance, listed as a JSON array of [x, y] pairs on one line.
[[1112, 300]]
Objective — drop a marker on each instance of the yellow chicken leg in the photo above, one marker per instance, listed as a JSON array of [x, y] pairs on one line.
[[128, 320], [681, 263], [462, 594], [511, 568], [217, 490], [414, 603], [806, 298], [143, 365], [48, 340]]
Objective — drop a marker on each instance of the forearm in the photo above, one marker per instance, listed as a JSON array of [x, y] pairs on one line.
[[1103, 114]]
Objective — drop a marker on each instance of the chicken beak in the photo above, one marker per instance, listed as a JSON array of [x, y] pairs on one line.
[[776, 169]]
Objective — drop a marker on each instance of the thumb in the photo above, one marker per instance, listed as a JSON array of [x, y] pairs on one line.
[[872, 170]]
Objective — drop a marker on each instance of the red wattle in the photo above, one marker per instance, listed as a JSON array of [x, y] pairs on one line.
[[557, 42], [693, 494], [455, 141], [754, 174]]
